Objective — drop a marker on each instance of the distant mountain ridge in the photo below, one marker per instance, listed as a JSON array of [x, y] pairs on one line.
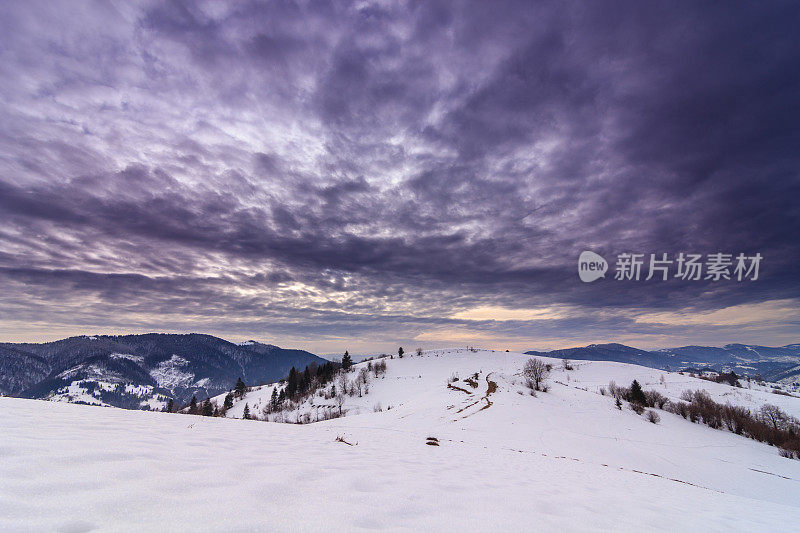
[[140, 371], [771, 363]]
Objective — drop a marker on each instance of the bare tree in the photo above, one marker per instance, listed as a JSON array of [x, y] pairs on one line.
[[535, 372], [340, 401], [379, 368], [341, 385]]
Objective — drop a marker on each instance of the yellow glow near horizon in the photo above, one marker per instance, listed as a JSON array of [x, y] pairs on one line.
[[735, 315], [503, 314]]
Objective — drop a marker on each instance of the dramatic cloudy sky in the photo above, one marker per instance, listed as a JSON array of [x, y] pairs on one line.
[[364, 175]]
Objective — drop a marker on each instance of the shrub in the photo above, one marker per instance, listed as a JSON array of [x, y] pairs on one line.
[[735, 418], [655, 399], [730, 378], [791, 449], [617, 391], [678, 408], [653, 417], [637, 408]]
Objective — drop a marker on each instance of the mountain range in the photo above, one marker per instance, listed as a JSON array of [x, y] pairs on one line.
[[140, 371], [779, 364]]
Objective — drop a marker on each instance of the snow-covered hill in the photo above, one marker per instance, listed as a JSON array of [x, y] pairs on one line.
[[412, 377], [567, 459]]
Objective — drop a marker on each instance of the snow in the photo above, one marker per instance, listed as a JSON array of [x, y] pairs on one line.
[[75, 392], [138, 359], [78, 391], [412, 375], [138, 390], [91, 371], [565, 459], [155, 403], [169, 374]]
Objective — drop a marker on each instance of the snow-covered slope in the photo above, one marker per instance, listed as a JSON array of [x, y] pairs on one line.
[[408, 378], [565, 459]]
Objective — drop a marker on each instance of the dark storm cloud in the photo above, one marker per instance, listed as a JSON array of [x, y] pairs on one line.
[[326, 170]]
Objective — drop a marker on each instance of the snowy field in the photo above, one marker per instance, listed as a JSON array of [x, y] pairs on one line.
[[564, 460]]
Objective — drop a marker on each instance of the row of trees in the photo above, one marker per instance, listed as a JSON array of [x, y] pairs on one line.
[[638, 399], [206, 407], [309, 380], [770, 424], [309, 384], [298, 386]]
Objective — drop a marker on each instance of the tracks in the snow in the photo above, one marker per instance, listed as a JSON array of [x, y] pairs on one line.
[[491, 388]]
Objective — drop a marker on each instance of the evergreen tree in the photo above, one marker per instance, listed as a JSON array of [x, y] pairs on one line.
[[347, 361], [292, 383], [246, 414], [216, 410], [228, 401], [400, 352], [636, 395], [241, 388], [273, 401], [282, 397], [305, 381], [208, 409], [193, 406], [170, 406]]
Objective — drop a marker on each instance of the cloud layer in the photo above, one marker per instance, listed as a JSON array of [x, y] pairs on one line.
[[358, 175]]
